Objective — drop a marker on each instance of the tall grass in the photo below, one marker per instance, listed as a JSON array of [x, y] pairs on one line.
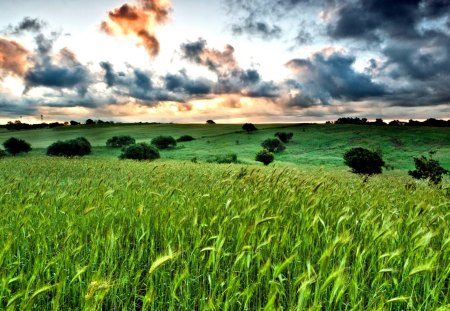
[[87, 234]]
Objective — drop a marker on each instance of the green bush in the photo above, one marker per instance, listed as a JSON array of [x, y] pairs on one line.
[[265, 156], [185, 138], [284, 137], [428, 168], [141, 151], [3, 153], [249, 127], [15, 146], [70, 148], [224, 159], [120, 141], [164, 142], [363, 161], [273, 145]]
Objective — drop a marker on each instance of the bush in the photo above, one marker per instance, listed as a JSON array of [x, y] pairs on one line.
[[273, 145], [185, 138], [224, 159], [284, 137], [15, 146], [120, 141], [70, 148], [249, 127], [265, 156], [210, 122], [3, 153], [428, 169], [164, 142], [363, 161], [141, 151]]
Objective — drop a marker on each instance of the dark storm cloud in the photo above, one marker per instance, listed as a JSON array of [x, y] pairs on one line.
[[27, 24], [61, 71], [137, 84], [231, 78], [181, 83], [325, 77], [223, 63], [263, 18], [370, 19], [14, 107], [110, 76], [256, 28]]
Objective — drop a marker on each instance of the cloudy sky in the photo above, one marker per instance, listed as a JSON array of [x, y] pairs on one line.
[[227, 60]]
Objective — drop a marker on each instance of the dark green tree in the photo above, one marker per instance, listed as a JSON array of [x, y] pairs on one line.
[[185, 138], [428, 168], [265, 156], [284, 137], [70, 148], [15, 146], [164, 142], [141, 151], [120, 141], [363, 161], [273, 145], [249, 127]]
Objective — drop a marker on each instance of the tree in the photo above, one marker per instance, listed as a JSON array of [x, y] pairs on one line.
[[273, 145], [284, 137], [3, 153], [141, 151], [70, 148], [90, 122], [15, 146], [164, 142], [210, 122], [428, 168], [363, 161], [120, 141], [265, 156], [249, 127], [185, 138], [74, 122]]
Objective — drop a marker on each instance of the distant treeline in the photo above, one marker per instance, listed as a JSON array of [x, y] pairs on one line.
[[18, 125], [364, 121]]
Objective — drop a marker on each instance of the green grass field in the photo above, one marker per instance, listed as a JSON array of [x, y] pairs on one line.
[[98, 233], [312, 145]]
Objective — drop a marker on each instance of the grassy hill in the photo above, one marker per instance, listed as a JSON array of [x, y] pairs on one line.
[[312, 145]]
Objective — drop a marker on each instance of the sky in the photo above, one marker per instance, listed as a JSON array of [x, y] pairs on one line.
[[233, 61]]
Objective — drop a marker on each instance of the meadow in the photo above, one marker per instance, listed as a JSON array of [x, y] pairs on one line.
[[98, 233], [312, 145]]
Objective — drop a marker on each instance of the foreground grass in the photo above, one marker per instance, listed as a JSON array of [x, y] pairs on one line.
[[92, 234]]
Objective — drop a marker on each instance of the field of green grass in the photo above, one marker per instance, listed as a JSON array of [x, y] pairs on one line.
[[312, 145], [99, 233]]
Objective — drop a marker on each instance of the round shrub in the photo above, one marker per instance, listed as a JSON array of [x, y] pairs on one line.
[[224, 159], [273, 145], [185, 138], [363, 161], [15, 146], [70, 148], [284, 136], [249, 127], [141, 151], [120, 141], [164, 142], [265, 156]]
